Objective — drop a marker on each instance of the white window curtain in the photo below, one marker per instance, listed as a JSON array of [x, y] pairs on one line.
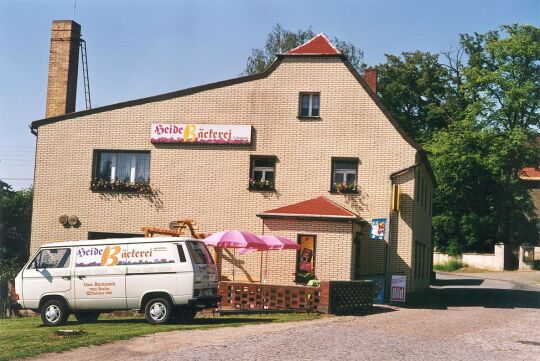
[[124, 166], [142, 167]]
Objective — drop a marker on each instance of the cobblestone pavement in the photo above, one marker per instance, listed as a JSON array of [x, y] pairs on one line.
[[452, 327]]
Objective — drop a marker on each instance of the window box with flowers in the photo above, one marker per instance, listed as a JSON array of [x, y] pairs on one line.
[[261, 175], [344, 175], [105, 185], [346, 188], [121, 171], [261, 185]]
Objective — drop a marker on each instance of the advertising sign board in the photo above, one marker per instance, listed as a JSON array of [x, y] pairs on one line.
[[378, 228], [397, 291], [201, 133]]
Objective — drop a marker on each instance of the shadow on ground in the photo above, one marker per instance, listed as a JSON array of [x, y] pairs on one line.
[[458, 282], [366, 311], [442, 298], [195, 322]]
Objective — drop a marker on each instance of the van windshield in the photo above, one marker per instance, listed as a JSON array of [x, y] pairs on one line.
[[199, 253]]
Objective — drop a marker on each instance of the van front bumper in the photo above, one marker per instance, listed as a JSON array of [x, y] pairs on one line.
[[202, 302]]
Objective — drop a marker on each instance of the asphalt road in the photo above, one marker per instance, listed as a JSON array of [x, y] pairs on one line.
[[465, 317]]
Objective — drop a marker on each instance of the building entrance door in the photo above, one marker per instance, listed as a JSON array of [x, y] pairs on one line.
[[305, 258]]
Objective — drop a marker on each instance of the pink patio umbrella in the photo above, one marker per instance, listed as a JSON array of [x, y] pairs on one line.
[[285, 242], [273, 243], [235, 239]]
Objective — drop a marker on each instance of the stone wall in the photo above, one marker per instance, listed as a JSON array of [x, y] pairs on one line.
[[490, 261]]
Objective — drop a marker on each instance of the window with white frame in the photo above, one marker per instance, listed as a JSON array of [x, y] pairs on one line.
[[344, 174], [262, 172], [122, 166], [309, 104]]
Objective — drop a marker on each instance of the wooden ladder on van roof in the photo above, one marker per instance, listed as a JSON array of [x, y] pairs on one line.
[[176, 229]]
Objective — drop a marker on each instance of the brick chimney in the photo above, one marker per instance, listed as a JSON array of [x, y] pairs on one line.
[[63, 67], [370, 76]]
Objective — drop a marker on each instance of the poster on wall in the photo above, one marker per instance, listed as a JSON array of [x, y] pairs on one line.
[[378, 228], [378, 288], [397, 291], [305, 262]]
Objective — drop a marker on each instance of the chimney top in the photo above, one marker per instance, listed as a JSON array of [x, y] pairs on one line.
[[63, 67], [370, 76]]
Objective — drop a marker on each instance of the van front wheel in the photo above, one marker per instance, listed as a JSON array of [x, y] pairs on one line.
[[157, 311], [54, 313]]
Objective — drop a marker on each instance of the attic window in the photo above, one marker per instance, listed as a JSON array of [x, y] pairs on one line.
[[309, 105]]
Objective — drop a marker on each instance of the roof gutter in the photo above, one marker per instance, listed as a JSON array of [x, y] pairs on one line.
[[33, 130], [320, 217], [404, 170]]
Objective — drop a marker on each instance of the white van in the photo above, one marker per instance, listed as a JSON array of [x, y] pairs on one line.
[[164, 277]]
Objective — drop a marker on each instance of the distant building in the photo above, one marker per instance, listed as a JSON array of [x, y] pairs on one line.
[[303, 150], [531, 177]]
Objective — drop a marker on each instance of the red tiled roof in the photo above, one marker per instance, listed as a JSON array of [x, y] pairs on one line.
[[318, 45], [319, 207], [530, 173]]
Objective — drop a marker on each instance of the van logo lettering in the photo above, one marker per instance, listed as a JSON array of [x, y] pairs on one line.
[[109, 256]]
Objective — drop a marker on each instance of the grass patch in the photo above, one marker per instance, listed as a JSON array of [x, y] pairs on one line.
[[25, 337], [466, 269], [452, 265]]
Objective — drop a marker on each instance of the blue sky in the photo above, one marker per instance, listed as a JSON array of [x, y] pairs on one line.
[[142, 48]]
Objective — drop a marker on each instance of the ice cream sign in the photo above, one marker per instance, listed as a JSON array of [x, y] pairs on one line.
[[201, 133]]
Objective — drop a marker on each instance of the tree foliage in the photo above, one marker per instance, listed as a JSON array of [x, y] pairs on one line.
[[280, 40], [414, 87], [15, 220], [480, 199]]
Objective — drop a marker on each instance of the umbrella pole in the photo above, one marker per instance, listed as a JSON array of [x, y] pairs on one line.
[[266, 269], [233, 260], [261, 270]]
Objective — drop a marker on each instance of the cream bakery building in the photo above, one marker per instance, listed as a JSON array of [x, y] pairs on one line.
[[303, 150]]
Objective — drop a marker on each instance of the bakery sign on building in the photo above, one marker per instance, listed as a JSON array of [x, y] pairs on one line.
[[201, 133]]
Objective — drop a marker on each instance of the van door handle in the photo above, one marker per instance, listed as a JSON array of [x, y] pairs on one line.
[[66, 278], [81, 277]]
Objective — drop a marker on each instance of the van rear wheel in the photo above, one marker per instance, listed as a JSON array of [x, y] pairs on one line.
[[54, 313], [87, 316], [157, 311]]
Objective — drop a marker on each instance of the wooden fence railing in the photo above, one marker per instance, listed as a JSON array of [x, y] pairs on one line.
[[257, 296], [339, 297]]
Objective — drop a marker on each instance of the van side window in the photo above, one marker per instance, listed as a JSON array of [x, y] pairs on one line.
[[181, 253], [52, 258], [199, 253]]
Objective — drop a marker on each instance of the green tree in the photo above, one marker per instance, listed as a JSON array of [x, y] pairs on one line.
[[280, 40], [15, 221], [414, 87], [480, 199], [503, 76], [503, 82]]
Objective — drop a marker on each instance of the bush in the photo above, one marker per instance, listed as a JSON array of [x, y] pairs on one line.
[[452, 265]]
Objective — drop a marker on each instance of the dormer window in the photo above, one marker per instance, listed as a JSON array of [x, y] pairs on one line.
[[309, 105]]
